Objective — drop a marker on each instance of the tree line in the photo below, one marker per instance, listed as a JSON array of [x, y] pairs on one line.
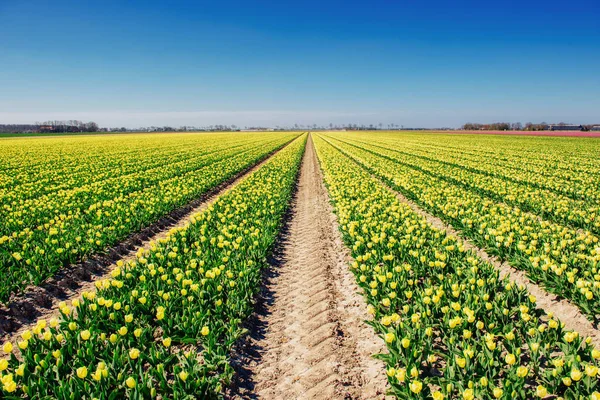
[[515, 126], [50, 127]]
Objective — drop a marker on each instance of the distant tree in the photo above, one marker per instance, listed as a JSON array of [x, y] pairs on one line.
[[516, 126]]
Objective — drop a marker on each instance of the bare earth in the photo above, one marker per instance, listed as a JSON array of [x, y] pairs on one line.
[[310, 340]]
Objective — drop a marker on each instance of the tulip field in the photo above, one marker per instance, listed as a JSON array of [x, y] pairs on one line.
[[555, 245], [452, 327], [167, 323], [64, 200], [139, 334]]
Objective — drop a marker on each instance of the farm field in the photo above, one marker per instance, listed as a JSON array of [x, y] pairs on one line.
[[329, 265], [63, 199]]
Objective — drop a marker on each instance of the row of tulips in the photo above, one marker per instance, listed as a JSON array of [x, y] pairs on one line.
[[61, 165], [74, 224], [164, 324], [546, 203], [453, 328], [565, 260], [563, 165]]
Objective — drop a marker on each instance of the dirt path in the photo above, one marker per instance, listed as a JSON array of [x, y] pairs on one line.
[[41, 302], [310, 341], [567, 312]]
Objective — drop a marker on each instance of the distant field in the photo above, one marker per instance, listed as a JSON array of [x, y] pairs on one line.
[[533, 133]]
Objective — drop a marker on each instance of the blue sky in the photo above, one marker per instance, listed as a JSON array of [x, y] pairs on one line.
[[415, 63]]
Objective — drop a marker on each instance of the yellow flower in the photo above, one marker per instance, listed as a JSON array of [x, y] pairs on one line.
[[541, 391], [26, 335], [10, 386], [183, 375], [123, 331], [461, 362], [130, 382], [205, 331], [166, 342], [82, 372], [85, 335], [97, 376], [437, 395], [129, 318], [498, 392], [570, 336], [510, 359], [416, 387], [401, 374], [576, 375], [23, 344], [522, 372], [405, 342], [389, 337], [134, 353], [468, 394], [534, 347], [7, 347], [3, 364], [591, 370]]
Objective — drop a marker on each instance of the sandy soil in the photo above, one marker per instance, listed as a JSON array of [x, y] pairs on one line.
[[308, 339], [41, 302], [567, 312]]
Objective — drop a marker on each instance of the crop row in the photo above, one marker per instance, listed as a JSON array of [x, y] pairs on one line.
[[73, 224], [46, 172], [565, 260], [453, 328], [164, 324], [560, 158], [30, 211], [546, 203]]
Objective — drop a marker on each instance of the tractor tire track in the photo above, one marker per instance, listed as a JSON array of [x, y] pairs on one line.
[[310, 341]]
